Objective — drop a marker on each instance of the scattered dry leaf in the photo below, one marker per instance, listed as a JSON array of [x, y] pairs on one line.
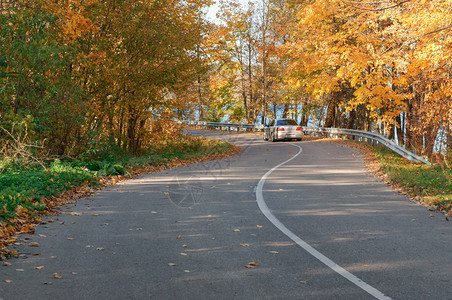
[[74, 214], [57, 276], [172, 264], [39, 268], [178, 237], [274, 252], [245, 245], [69, 238], [8, 281], [183, 254], [33, 244], [303, 282], [237, 230], [20, 270], [252, 264], [7, 264], [100, 249], [42, 235]]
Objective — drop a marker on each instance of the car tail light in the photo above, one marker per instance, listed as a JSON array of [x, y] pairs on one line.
[[298, 128], [280, 129]]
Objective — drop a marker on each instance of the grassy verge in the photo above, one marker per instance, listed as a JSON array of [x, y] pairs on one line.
[[28, 194], [430, 185]]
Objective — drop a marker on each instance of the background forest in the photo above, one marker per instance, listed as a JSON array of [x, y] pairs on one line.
[[80, 76]]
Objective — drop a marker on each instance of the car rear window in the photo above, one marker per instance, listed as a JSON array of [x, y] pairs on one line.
[[286, 122]]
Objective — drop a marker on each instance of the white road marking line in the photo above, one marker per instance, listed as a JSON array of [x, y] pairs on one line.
[[331, 264]]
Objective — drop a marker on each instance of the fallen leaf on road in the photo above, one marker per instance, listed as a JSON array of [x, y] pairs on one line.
[[178, 237], [20, 270], [70, 239], [7, 264], [172, 264], [237, 230], [245, 245], [8, 281], [183, 254], [95, 215], [165, 193], [100, 249], [432, 215], [184, 246], [42, 235], [413, 220], [74, 214], [304, 282], [57, 276], [252, 264], [33, 244], [187, 271], [39, 268], [47, 283], [154, 212], [274, 252]]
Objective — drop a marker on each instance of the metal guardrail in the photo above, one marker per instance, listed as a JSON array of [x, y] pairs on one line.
[[225, 125], [375, 138]]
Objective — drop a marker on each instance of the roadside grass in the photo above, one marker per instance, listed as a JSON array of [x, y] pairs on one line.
[[28, 194], [430, 184]]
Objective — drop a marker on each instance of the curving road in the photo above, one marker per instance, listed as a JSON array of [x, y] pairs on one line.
[[286, 220]]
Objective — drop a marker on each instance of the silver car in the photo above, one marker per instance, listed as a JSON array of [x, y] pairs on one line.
[[282, 129]]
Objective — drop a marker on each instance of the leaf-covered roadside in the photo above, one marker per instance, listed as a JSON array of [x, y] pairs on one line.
[[26, 195], [429, 185]]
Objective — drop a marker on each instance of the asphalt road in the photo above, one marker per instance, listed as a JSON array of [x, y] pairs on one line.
[[286, 220]]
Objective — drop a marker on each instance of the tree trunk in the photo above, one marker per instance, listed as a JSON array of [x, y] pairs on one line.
[[351, 120], [399, 130]]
